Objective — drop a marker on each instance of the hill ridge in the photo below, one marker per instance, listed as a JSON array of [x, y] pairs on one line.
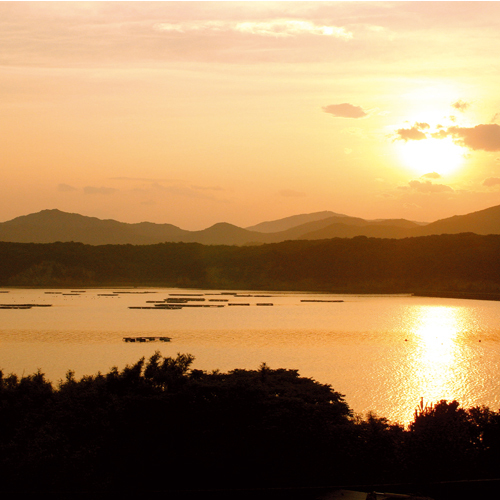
[[50, 225]]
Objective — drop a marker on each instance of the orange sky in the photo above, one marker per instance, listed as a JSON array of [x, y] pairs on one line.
[[194, 113]]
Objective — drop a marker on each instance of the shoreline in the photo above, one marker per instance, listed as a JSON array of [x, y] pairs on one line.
[[460, 295], [491, 296]]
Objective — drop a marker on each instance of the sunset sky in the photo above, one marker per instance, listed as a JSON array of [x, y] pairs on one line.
[[194, 113]]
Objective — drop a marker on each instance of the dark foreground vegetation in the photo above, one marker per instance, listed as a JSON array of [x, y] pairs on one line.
[[161, 426], [460, 263]]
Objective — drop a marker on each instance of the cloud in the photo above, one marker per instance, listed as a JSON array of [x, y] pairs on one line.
[[143, 179], [347, 151], [484, 137], [345, 110], [429, 187], [291, 27], [460, 105], [410, 134], [196, 192], [188, 26], [99, 190], [414, 133], [208, 188], [440, 134], [290, 193], [432, 175], [157, 184], [357, 132], [411, 206], [271, 28], [491, 181], [66, 188]]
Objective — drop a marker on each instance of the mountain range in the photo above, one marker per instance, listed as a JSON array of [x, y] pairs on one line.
[[49, 226]]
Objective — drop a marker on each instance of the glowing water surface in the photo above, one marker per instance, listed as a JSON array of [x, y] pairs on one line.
[[383, 353]]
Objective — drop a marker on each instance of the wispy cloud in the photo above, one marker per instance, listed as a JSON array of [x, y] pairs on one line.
[[99, 190], [269, 28], [460, 105], [208, 188], [345, 110], [185, 191], [143, 179], [432, 175], [66, 188], [491, 181], [422, 125], [411, 206], [429, 187]]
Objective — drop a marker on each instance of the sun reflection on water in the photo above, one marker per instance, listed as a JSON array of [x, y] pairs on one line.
[[436, 331], [437, 366]]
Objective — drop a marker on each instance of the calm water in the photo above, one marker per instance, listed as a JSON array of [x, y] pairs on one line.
[[382, 352]]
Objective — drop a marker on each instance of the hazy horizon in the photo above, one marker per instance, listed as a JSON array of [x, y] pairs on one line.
[[194, 113]]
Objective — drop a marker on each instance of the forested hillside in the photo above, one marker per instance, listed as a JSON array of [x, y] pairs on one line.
[[460, 263]]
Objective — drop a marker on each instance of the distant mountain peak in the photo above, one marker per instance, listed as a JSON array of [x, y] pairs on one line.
[[51, 214], [275, 226]]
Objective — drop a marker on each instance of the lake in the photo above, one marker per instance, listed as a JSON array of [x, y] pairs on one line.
[[384, 353]]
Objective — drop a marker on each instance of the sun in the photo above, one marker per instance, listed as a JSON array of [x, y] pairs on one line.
[[441, 156]]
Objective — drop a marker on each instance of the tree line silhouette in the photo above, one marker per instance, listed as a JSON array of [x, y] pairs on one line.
[[159, 425], [465, 263]]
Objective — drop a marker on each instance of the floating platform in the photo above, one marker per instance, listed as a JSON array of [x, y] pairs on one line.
[[180, 305], [23, 306], [147, 339], [184, 299], [166, 306], [320, 300], [15, 307], [186, 294]]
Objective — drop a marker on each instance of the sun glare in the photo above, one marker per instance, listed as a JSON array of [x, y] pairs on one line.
[[438, 371], [442, 156]]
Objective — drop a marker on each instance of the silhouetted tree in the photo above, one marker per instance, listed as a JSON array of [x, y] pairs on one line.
[[156, 422]]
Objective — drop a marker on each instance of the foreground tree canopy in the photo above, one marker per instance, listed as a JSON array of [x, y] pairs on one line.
[[158, 422]]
